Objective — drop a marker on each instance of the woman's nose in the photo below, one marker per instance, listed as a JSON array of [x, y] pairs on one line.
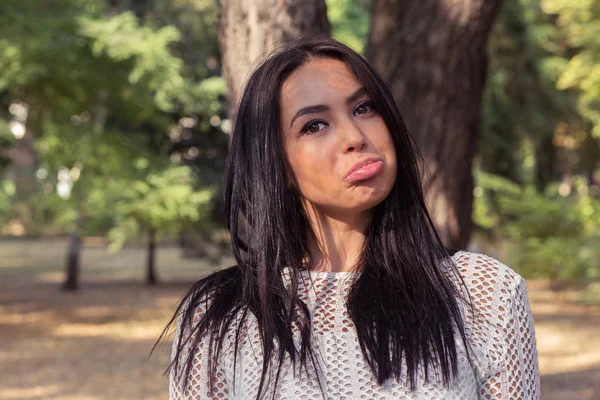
[[353, 139]]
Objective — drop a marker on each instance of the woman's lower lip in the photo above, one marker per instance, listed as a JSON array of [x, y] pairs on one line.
[[367, 172]]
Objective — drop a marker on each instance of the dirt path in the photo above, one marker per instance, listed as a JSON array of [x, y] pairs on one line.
[[568, 342], [94, 344], [87, 346]]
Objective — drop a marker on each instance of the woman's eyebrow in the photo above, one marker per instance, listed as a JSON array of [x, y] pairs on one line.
[[356, 95], [309, 110], [322, 108]]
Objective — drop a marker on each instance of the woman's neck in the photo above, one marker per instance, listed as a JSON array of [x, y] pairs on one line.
[[335, 243]]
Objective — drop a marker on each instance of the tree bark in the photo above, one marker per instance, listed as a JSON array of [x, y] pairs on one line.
[[73, 261], [251, 29], [547, 165], [433, 55], [151, 277]]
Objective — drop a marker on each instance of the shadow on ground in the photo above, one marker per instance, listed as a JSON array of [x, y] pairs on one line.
[[580, 385]]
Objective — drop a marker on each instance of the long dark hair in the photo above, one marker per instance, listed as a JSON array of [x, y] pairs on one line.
[[405, 301]]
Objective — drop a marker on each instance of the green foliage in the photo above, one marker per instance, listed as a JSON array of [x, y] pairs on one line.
[[537, 140], [122, 38], [163, 202], [196, 20], [7, 190], [549, 235], [521, 98], [349, 21], [7, 142], [104, 87], [579, 26]]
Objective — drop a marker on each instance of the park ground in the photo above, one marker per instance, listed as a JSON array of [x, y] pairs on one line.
[[94, 344]]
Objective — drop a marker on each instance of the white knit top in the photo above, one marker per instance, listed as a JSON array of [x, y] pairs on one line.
[[500, 332]]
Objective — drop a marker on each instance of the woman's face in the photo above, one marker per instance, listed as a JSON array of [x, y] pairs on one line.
[[341, 155]]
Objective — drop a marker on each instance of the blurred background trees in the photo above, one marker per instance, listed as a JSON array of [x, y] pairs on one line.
[[250, 31], [437, 72], [101, 96], [538, 190], [114, 117]]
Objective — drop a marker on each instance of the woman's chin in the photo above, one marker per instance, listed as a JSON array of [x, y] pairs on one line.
[[370, 193], [370, 198]]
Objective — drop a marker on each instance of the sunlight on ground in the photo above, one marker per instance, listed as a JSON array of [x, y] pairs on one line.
[[122, 331], [7, 318], [93, 311], [561, 351], [51, 277], [568, 335], [8, 393]]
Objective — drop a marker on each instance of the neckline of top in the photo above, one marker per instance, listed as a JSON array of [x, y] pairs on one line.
[[330, 274]]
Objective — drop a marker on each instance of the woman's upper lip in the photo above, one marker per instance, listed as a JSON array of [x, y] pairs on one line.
[[361, 164]]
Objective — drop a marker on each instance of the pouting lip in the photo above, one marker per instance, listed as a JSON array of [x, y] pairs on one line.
[[361, 164]]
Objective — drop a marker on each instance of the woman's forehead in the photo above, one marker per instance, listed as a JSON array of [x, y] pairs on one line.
[[320, 81]]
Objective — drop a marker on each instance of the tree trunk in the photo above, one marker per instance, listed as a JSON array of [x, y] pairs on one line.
[[251, 29], [72, 266], [547, 165], [151, 277], [433, 55]]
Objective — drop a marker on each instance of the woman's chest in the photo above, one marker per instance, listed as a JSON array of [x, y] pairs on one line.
[[339, 370]]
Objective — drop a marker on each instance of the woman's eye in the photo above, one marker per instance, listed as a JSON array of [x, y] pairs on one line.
[[313, 127], [364, 108]]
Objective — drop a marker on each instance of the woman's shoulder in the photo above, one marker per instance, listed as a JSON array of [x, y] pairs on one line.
[[485, 274], [490, 286], [499, 323]]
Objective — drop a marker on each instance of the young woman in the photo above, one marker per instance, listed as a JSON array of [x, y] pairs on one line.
[[342, 288]]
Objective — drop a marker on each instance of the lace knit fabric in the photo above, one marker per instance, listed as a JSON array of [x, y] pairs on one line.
[[500, 332]]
